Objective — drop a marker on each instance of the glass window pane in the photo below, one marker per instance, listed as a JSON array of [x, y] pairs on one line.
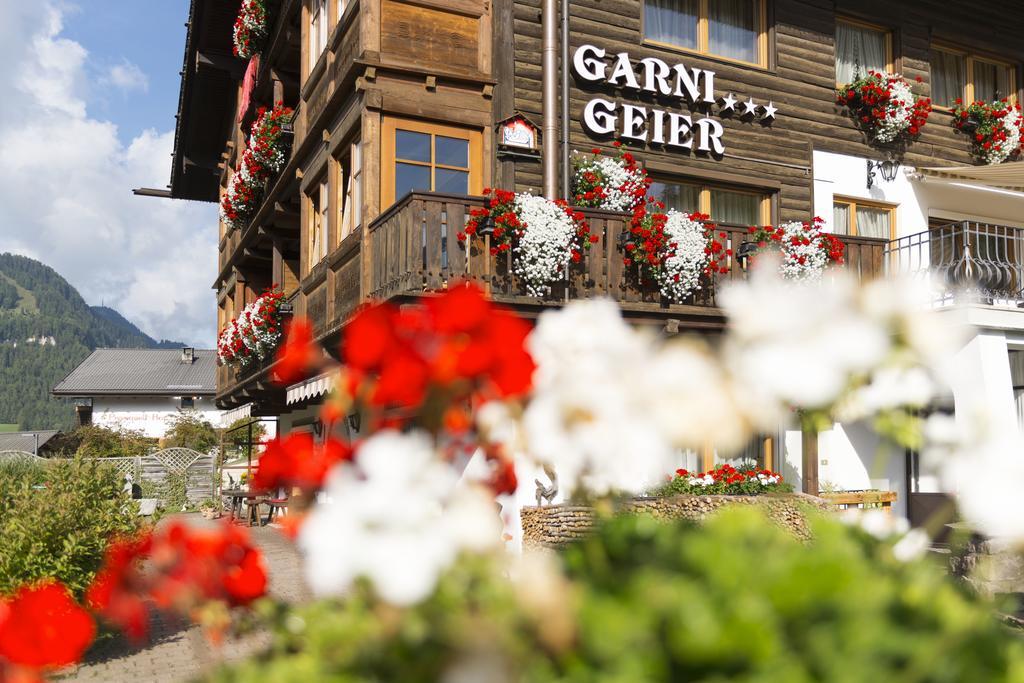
[[986, 82], [732, 29], [949, 75], [672, 21], [841, 219], [737, 208], [409, 177], [678, 196], [412, 146], [858, 50], [873, 222], [447, 180], [451, 151], [752, 456]]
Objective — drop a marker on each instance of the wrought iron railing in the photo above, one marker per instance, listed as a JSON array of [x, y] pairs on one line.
[[964, 261]]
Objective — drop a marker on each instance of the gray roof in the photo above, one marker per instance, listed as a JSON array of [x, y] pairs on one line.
[[25, 441], [141, 372]]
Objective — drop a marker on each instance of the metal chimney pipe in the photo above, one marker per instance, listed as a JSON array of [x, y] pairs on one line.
[[566, 165], [549, 102]]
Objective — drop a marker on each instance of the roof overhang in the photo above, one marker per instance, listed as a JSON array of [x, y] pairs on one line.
[[206, 101], [1006, 176]]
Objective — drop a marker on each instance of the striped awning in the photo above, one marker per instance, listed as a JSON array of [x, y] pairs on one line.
[[310, 388], [1006, 176], [229, 416]]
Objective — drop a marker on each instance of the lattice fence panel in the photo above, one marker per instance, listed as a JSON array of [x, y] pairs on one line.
[[16, 455], [177, 459]]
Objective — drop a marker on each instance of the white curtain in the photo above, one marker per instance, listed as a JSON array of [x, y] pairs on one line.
[[1017, 378], [858, 50], [986, 81], [735, 207], [873, 222], [732, 29], [678, 196], [841, 219], [671, 21], [949, 75]]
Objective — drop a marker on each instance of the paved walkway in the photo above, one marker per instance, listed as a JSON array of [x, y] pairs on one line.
[[177, 651]]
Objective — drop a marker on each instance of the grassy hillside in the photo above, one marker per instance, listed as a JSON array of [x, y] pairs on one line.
[[46, 330]]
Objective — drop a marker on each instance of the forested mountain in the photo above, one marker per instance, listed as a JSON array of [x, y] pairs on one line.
[[46, 329]]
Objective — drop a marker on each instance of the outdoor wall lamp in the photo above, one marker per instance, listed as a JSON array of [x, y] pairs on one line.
[[887, 169], [745, 251]]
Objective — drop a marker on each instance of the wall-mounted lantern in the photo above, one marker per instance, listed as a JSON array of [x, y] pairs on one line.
[[887, 169]]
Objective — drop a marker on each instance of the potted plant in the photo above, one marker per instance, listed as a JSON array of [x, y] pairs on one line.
[[210, 509]]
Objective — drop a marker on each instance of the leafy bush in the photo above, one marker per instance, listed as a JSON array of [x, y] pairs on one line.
[[14, 472], [187, 429], [644, 600], [94, 441], [62, 529], [173, 491]]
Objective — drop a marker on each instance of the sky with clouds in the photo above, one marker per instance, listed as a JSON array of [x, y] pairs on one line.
[[90, 92]]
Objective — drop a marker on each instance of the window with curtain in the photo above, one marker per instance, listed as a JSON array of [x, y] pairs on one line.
[[854, 217], [724, 205], [318, 205], [960, 74], [861, 48], [318, 25], [431, 158], [351, 199], [726, 28]]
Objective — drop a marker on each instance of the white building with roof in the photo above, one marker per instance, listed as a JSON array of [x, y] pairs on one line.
[[141, 389]]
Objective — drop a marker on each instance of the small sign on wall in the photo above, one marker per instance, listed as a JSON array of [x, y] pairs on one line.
[[518, 137]]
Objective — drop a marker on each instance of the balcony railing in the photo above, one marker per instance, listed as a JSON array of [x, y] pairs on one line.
[[414, 248], [964, 261]]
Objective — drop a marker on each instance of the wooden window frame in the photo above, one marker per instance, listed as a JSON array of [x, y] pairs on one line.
[[854, 202], [890, 55], [391, 124], [316, 212], [703, 36], [704, 195], [970, 57], [313, 25]]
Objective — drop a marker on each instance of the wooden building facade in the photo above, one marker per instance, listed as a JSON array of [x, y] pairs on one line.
[[398, 105]]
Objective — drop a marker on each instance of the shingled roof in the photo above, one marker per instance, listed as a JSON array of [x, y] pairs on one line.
[[25, 441], [141, 372]]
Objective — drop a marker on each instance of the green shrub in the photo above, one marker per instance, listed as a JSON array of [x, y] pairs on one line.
[[187, 429], [93, 441], [173, 491], [734, 600], [60, 530], [14, 472]]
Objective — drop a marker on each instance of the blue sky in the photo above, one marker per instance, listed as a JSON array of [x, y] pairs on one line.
[[147, 33], [96, 85]]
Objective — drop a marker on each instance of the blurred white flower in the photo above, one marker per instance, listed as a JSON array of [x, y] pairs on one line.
[[396, 517], [590, 417], [874, 521], [912, 546], [984, 464], [890, 387], [799, 344]]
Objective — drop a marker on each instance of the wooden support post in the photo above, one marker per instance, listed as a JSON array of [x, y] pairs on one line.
[[809, 449], [278, 92]]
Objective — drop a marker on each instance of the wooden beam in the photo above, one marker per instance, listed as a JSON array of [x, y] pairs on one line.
[[229, 65], [809, 451]]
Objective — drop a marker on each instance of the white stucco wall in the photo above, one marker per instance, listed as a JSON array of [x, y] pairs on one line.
[[849, 455], [147, 414]]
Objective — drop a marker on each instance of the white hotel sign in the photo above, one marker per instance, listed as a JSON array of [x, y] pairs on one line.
[[671, 129]]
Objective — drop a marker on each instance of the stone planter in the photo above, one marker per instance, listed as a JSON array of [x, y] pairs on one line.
[[555, 525]]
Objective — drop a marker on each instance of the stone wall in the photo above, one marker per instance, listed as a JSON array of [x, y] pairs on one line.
[[554, 525]]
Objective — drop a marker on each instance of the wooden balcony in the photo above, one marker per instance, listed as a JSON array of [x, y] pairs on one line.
[[414, 248]]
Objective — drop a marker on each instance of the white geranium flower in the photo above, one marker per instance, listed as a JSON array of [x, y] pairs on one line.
[[590, 416], [396, 517], [545, 246], [687, 261]]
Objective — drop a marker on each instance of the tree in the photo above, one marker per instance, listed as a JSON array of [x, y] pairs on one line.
[[188, 429], [237, 432]]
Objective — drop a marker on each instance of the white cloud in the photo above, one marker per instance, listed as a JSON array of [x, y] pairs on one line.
[[66, 181], [127, 77]]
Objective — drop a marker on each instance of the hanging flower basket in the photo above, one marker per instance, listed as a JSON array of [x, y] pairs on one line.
[[885, 107], [543, 235], [995, 129], [251, 29], [265, 155], [675, 251], [610, 183], [804, 248], [255, 333]]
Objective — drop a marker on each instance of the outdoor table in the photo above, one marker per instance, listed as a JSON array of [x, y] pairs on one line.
[[251, 498]]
